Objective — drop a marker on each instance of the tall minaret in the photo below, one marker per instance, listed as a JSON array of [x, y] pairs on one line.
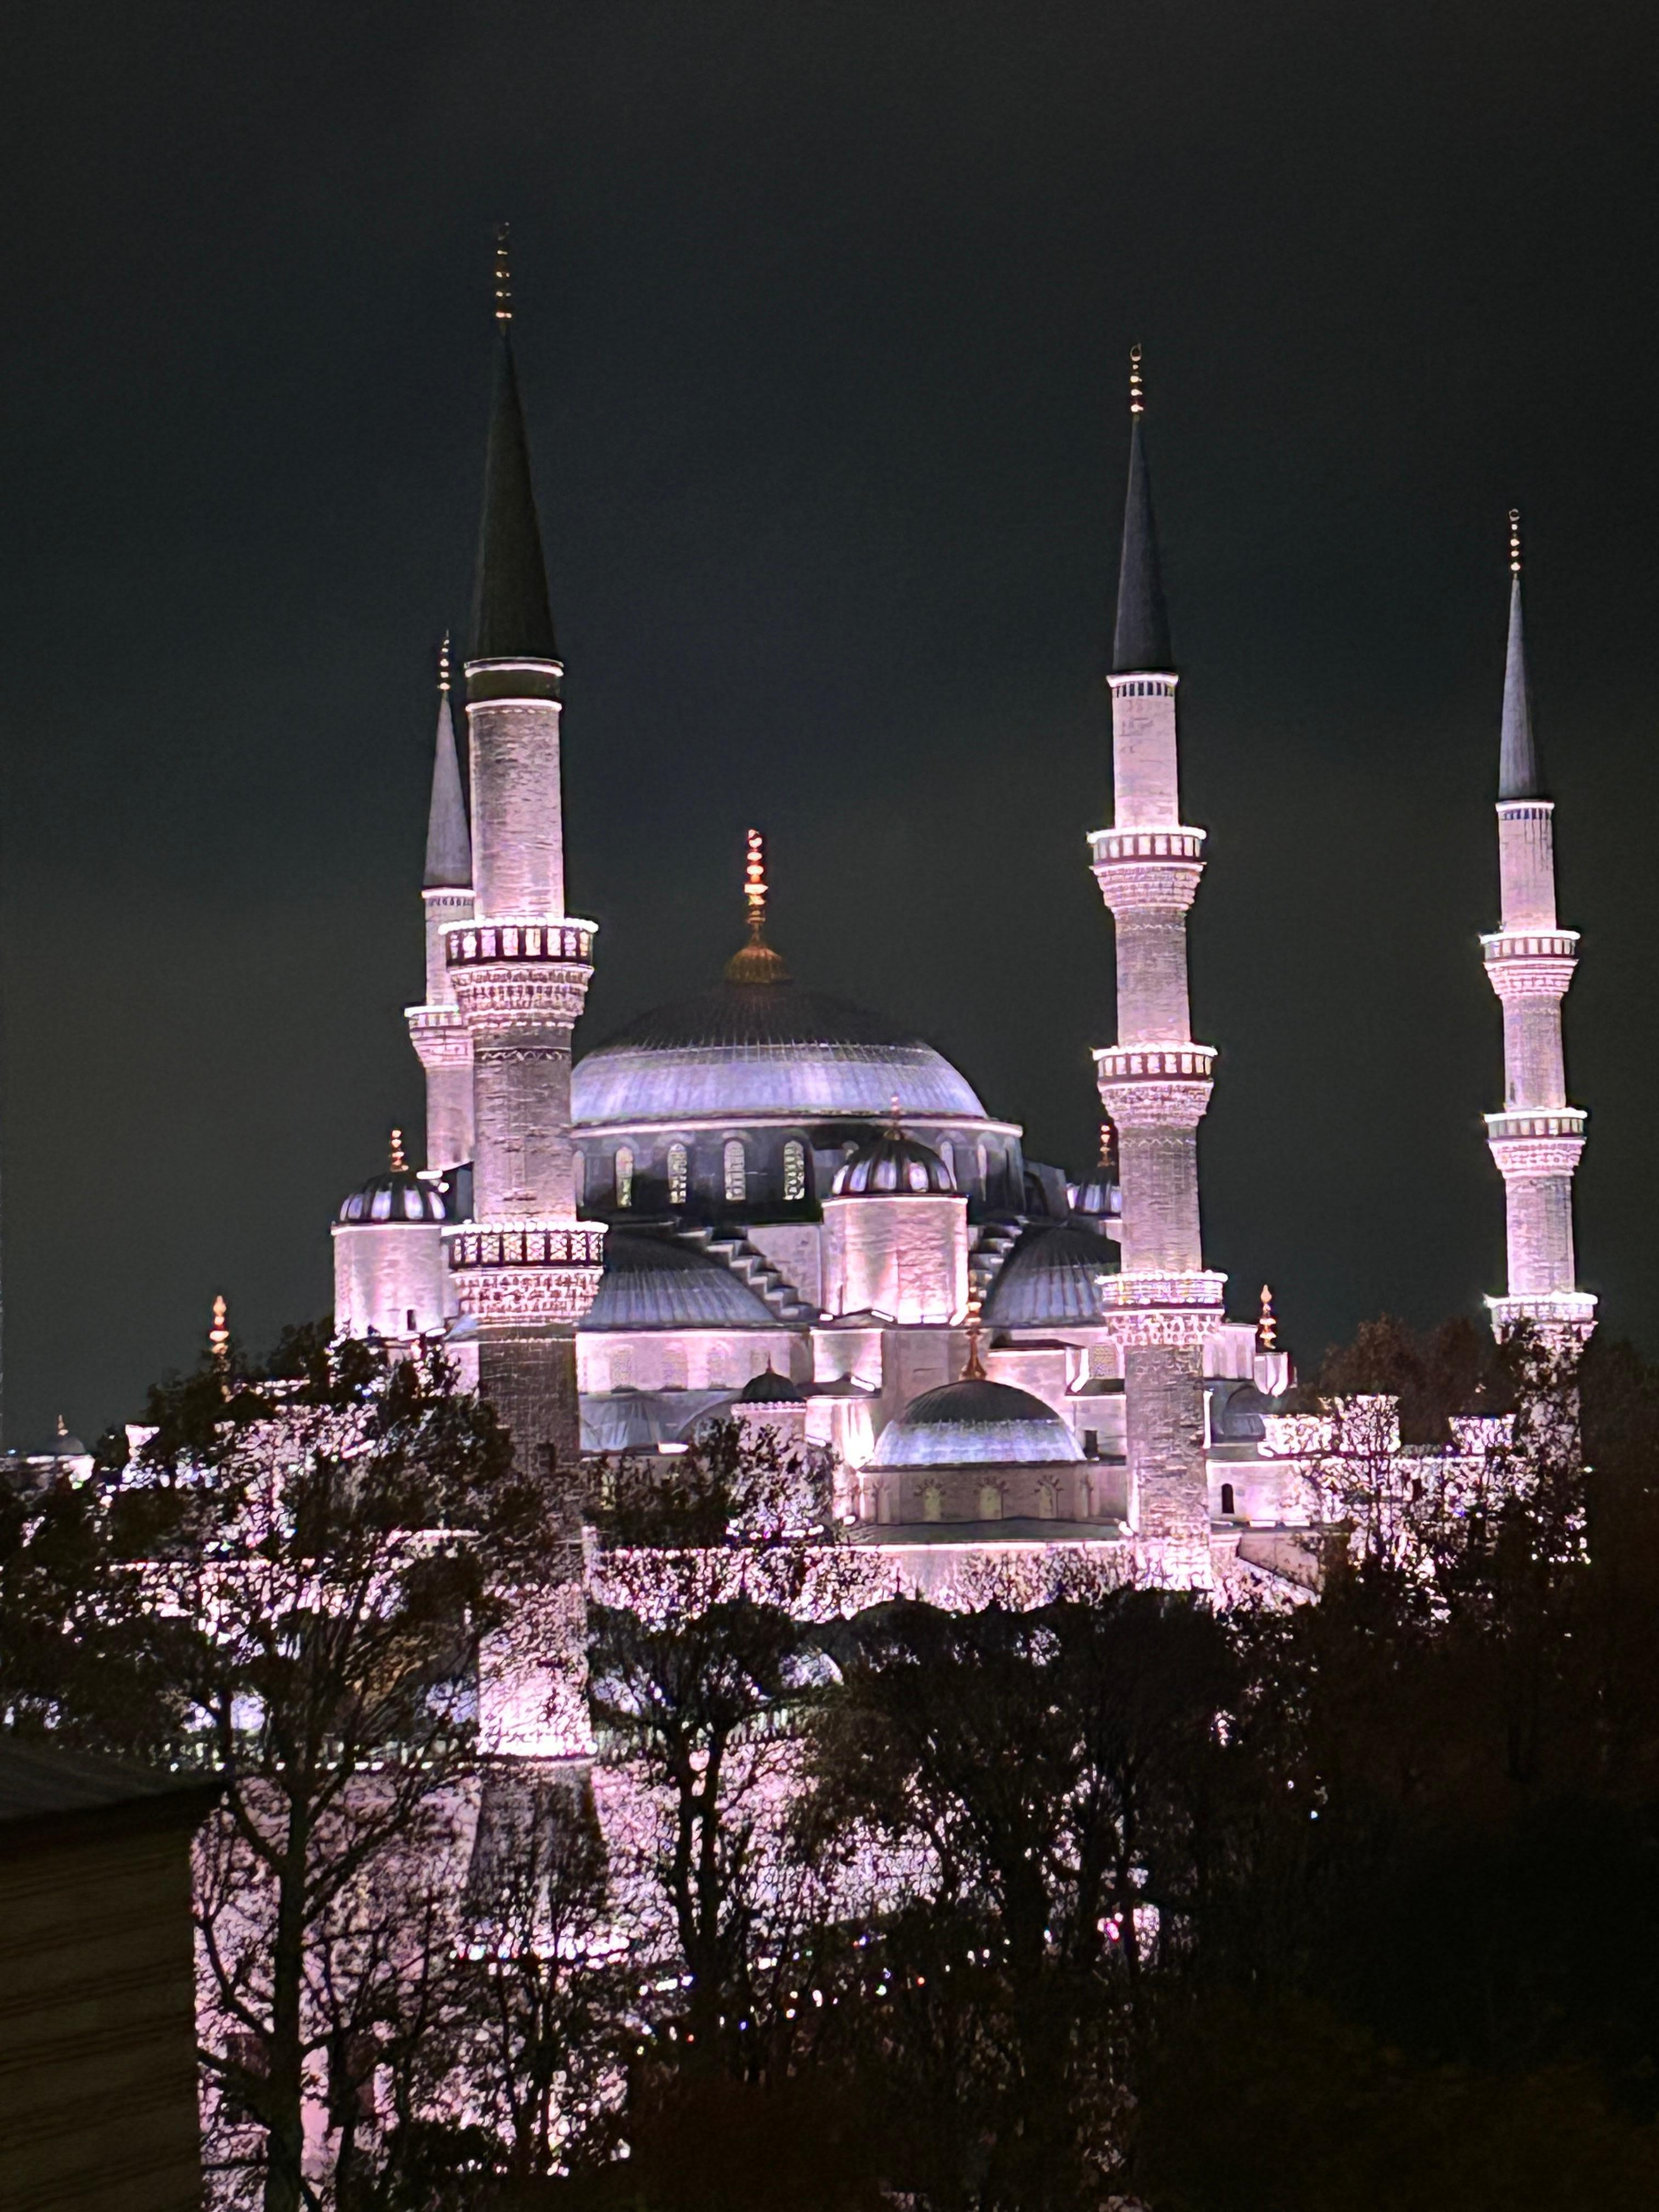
[[442, 1039], [1155, 1082], [1537, 1139], [525, 1269]]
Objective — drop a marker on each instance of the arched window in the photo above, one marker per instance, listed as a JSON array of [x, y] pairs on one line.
[[679, 1174], [1227, 1497], [622, 1368], [1048, 1502], [794, 1170], [990, 1502], [932, 1502], [983, 1161], [737, 1172], [673, 1368], [579, 1169], [624, 1175]]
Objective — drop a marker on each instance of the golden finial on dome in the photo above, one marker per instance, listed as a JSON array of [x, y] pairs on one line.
[[1137, 396], [443, 664], [399, 1164], [1515, 541], [219, 1334], [756, 963], [503, 277], [1267, 1327], [63, 1426]]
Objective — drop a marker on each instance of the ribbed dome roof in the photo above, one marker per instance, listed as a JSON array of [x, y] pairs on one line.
[[652, 1282], [398, 1196], [763, 1048], [1050, 1277], [893, 1166], [977, 1423]]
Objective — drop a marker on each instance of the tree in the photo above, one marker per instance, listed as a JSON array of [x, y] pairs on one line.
[[320, 1553]]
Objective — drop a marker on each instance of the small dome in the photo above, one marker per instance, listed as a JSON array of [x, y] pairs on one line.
[[977, 1423], [893, 1166], [769, 1387], [1051, 1276], [652, 1282], [397, 1196], [1239, 1420]]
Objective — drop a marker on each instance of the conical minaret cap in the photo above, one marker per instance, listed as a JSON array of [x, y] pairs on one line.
[[512, 619], [1141, 639], [1519, 773], [448, 846]]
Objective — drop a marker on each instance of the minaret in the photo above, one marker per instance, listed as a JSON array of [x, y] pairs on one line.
[[525, 1269], [1537, 1139], [1155, 1082], [441, 1040]]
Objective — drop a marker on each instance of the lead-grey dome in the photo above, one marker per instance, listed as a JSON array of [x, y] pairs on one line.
[[750, 1048], [893, 1166], [653, 1282], [1052, 1277], [977, 1423], [400, 1196]]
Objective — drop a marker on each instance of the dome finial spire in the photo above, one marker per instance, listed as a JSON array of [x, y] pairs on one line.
[[1267, 1327], [399, 1164], [219, 1334], [1136, 395], [973, 1369], [756, 962], [1515, 541], [503, 276], [755, 885], [443, 665]]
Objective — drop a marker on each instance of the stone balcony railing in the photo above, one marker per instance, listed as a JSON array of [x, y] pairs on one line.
[[495, 941]]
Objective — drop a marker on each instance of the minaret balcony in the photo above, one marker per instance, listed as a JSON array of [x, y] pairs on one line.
[[534, 1272], [1530, 963], [1163, 1308], [1543, 1141], [439, 1035], [521, 941], [1536, 1122], [1139, 869], [1560, 1317], [1110, 846]]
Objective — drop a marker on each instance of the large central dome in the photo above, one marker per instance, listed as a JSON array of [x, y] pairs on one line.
[[761, 1049]]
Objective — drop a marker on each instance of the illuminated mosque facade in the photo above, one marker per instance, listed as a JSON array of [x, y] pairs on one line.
[[765, 1203]]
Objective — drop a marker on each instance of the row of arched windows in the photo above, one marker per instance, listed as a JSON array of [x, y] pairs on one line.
[[734, 1163]]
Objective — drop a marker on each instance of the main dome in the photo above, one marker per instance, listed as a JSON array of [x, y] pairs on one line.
[[761, 1049]]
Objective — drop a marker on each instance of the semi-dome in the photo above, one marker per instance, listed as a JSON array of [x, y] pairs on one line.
[[893, 1166], [653, 1282], [1240, 1418], [399, 1195], [1051, 1278], [763, 1048], [977, 1423]]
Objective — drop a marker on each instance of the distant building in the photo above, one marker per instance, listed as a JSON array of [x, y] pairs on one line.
[[98, 2091]]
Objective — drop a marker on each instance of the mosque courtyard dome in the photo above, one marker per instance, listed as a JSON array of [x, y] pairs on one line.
[[975, 1423], [893, 1166]]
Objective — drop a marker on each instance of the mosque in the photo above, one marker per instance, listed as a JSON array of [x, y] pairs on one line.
[[761, 1202]]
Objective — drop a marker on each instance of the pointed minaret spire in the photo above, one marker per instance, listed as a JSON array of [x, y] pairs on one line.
[[1519, 776], [448, 846], [1141, 640], [512, 619]]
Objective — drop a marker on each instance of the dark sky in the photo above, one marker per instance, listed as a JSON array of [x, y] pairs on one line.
[[823, 318]]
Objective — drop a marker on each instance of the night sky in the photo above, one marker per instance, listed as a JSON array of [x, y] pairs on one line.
[[823, 313]]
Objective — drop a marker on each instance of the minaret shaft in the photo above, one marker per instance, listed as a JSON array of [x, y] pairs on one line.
[[1538, 1138], [1155, 1081]]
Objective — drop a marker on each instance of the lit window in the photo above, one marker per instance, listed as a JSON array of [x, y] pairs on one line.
[[932, 1502], [794, 1170], [673, 1368], [380, 1207], [579, 1166], [916, 1175], [624, 1175], [990, 1502], [737, 1172], [679, 1174], [982, 1160]]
